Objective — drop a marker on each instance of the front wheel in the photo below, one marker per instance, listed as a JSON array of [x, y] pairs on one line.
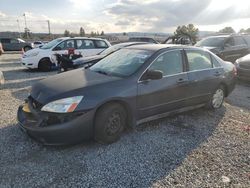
[[110, 122], [45, 65], [217, 98]]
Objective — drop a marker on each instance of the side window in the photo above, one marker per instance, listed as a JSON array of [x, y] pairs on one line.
[[65, 45], [198, 60], [230, 42], [101, 44], [239, 41], [5, 40], [85, 44], [14, 41], [216, 62], [169, 63]]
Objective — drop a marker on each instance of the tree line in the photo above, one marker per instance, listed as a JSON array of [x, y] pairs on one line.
[[82, 33]]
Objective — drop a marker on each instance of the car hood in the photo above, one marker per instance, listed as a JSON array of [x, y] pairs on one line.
[[83, 60], [32, 51], [68, 84]]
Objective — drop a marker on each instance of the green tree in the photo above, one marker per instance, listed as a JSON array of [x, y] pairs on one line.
[[82, 32], [228, 30], [66, 33], [102, 33], [190, 30], [242, 31]]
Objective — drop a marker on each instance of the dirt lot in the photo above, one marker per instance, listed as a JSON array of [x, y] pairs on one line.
[[196, 149]]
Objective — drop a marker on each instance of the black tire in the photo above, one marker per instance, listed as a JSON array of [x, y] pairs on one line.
[[219, 95], [45, 65], [110, 122], [27, 48]]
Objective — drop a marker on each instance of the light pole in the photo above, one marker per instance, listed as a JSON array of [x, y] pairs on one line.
[[18, 24], [26, 28]]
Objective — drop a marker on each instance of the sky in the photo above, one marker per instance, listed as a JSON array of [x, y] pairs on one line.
[[112, 16]]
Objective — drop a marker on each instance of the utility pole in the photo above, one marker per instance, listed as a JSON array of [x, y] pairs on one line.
[[18, 24], [49, 27], [26, 28]]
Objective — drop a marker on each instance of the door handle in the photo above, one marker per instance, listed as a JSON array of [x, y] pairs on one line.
[[181, 80]]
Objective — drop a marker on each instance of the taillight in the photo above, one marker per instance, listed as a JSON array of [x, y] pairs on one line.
[[235, 71]]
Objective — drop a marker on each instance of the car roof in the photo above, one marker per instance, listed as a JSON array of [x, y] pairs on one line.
[[157, 47], [91, 38]]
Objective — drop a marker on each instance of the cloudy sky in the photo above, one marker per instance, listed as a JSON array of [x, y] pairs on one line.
[[123, 15]]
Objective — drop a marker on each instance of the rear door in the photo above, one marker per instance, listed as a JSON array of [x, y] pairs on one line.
[[166, 94], [203, 75], [87, 47]]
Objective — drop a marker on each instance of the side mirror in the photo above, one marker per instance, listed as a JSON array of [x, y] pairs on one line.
[[152, 75], [57, 48]]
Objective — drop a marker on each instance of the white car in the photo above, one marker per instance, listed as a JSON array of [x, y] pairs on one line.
[[41, 57]]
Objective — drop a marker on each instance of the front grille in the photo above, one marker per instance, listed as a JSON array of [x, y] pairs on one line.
[[35, 104]]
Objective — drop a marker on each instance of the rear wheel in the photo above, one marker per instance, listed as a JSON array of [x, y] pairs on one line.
[[110, 122], [217, 98], [45, 65]]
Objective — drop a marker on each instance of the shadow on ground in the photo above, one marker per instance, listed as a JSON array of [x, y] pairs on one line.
[[141, 157]]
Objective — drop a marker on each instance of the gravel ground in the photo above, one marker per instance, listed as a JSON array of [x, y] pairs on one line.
[[196, 149]]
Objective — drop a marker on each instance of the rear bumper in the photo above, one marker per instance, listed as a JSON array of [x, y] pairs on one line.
[[73, 131]]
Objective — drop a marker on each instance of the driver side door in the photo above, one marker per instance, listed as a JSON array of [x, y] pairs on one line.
[[166, 94]]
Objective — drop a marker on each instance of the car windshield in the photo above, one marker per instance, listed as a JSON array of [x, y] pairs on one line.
[[212, 41], [51, 44], [122, 63]]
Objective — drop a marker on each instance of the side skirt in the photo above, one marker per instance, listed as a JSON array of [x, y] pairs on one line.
[[159, 116]]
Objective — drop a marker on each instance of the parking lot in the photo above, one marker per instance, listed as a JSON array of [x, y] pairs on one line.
[[196, 149]]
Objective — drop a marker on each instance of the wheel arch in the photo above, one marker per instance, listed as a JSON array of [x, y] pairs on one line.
[[224, 85], [124, 104]]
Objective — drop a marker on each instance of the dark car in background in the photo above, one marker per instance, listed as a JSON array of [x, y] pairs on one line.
[[15, 44], [243, 67], [130, 86], [143, 39], [227, 47]]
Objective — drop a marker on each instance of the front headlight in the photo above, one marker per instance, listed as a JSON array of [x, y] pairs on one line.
[[31, 54], [63, 105]]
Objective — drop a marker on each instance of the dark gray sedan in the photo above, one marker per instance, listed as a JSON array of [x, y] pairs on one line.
[[243, 67], [131, 86]]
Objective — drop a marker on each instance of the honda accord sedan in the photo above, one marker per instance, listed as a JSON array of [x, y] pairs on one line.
[[130, 86]]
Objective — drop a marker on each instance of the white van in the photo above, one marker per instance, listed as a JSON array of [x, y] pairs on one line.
[[41, 57]]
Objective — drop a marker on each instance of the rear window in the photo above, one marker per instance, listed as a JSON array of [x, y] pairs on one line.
[[198, 60]]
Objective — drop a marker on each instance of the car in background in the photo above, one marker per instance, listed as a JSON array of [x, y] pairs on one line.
[[182, 39], [38, 44], [41, 57], [143, 39], [1, 49], [133, 85], [243, 67], [91, 60], [15, 44], [227, 47]]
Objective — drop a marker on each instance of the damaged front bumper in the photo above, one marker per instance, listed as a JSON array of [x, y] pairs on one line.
[[56, 129]]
